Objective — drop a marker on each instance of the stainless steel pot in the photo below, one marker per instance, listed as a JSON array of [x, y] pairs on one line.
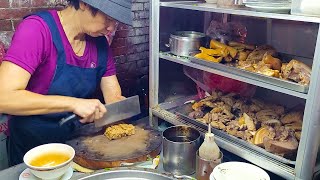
[[182, 43], [180, 144]]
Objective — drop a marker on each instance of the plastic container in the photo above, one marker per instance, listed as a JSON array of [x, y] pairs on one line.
[[209, 149], [306, 7]]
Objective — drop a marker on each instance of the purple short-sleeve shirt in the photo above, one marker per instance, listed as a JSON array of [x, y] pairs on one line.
[[32, 49]]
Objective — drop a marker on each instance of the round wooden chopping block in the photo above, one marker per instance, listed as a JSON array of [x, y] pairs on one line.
[[95, 151]]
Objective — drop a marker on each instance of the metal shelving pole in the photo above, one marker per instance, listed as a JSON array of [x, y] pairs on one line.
[[154, 59], [310, 137]]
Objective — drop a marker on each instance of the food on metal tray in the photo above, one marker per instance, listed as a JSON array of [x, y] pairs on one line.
[[274, 63], [241, 45], [296, 71], [120, 130], [292, 117], [259, 136], [283, 143], [262, 59], [208, 58], [257, 54], [269, 126]]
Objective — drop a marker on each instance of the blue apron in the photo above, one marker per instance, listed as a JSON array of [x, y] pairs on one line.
[[27, 132]]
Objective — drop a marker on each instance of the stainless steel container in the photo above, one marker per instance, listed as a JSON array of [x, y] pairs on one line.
[[125, 174], [180, 144], [182, 43], [205, 167]]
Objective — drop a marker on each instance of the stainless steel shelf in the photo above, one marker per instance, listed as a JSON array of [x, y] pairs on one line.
[[236, 76], [200, 6], [250, 155]]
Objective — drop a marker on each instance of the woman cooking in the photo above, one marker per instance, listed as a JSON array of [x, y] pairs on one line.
[[55, 62]]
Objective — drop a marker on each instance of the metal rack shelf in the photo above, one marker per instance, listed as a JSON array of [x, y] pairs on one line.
[[237, 149], [310, 136], [200, 6], [253, 81]]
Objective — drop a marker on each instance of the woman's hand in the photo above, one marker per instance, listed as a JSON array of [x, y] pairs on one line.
[[88, 109]]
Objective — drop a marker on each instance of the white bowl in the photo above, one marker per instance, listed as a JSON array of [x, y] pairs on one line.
[[53, 172], [238, 171]]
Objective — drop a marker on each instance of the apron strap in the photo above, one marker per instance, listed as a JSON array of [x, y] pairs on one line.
[[102, 50], [56, 38]]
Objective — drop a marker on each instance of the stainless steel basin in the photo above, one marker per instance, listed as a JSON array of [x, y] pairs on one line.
[[126, 174]]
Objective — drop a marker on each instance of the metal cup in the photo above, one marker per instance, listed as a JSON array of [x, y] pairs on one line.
[[180, 144], [205, 167]]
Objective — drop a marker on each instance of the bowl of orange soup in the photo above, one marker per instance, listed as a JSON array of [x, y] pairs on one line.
[[49, 161]]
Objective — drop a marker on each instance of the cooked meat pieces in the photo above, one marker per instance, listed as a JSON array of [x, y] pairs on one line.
[[293, 117], [297, 72], [265, 69], [240, 105], [281, 147], [254, 108], [266, 114], [274, 63], [244, 117], [228, 100], [279, 110], [119, 131], [215, 124], [207, 102], [256, 55], [294, 126], [196, 114], [271, 122]]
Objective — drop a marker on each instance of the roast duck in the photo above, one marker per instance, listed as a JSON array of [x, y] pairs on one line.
[[262, 59], [266, 125]]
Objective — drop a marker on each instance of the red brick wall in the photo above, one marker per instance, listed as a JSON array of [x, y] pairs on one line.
[[130, 45]]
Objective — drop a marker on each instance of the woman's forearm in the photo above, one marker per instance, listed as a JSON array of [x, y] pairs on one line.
[[111, 89], [23, 102]]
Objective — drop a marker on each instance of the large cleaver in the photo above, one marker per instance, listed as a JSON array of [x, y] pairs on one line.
[[118, 111]]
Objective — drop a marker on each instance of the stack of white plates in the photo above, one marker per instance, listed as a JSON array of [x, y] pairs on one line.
[[238, 171], [275, 6]]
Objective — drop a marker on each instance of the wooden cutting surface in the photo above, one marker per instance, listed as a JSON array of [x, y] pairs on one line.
[[96, 151]]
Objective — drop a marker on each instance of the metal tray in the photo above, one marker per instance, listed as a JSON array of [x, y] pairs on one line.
[[185, 109], [255, 76], [126, 174]]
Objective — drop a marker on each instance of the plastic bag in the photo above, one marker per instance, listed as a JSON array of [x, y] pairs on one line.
[[230, 31], [208, 82]]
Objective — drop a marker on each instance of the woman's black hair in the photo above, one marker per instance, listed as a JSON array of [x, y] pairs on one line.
[[76, 5]]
